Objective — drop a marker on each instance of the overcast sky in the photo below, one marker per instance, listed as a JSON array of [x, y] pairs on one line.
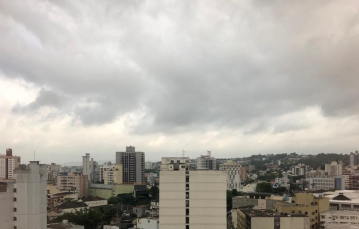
[[236, 77]]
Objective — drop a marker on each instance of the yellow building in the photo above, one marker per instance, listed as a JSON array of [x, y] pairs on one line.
[[307, 204], [113, 175]]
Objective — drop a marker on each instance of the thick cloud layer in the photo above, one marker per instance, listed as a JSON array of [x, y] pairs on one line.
[[177, 67]]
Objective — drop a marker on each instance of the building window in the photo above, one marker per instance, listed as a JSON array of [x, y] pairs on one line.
[[15, 218], [15, 210], [15, 199], [187, 226], [187, 178], [15, 190], [187, 211], [187, 187], [187, 220], [306, 213], [187, 195], [187, 203]]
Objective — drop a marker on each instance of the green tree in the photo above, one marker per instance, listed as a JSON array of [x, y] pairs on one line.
[[141, 200], [280, 190], [108, 213], [154, 192], [229, 200], [90, 219], [113, 200], [127, 198], [264, 187]]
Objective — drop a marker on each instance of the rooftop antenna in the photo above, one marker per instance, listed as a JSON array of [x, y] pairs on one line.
[[34, 155], [183, 152]]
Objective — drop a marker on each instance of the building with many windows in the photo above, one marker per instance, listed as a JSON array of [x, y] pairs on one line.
[[8, 163], [23, 201], [73, 182], [307, 204], [233, 171], [113, 175], [191, 199], [334, 168], [339, 218], [133, 165], [206, 162]]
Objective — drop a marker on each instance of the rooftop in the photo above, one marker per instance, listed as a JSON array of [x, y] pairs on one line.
[[341, 212], [68, 205]]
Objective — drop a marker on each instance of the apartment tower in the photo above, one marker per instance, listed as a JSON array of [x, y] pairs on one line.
[[191, 199], [133, 164], [8, 163], [23, 201]]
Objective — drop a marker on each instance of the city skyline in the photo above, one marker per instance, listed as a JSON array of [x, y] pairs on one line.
[[233, 77]]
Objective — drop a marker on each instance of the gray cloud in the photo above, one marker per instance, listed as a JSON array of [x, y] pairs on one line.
[[190, 66]]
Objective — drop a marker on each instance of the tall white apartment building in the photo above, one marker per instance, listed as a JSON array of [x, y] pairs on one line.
[[206, 162], [233, 171], [334, 169], [321, 183], [8, 163], [23, 201], [191, 199]]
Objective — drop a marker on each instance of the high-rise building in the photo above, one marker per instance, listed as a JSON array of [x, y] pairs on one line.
[[354, 159], [86, 166], [8, 163], [148, 165], [233, 171], [23, 201], [113, 175], [133, 165], [334, 169], [299, 170], [206, 162], [191, 199], [94, 171]]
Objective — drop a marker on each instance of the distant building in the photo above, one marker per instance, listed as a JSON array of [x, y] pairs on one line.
[[8, 163], [94, 171], [257, 200], [73, 182], [133, 165], [112, 190], [113, 175], [206, 162], [191, 199], [86, 166], [321, 183], [299, 170], [147, 223], [243, 174], [354, 159], [23, 202], [64, 225], [336, 218], [264, 219], [53, 171], [233, 171], [307, 204], [148, 165], [334, 169]]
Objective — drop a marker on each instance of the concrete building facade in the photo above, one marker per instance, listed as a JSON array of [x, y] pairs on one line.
[[338, 218], [73, 182], [23, 201], [334, 168], [133, 165], [86, 166], [113, 174], [307, 204], [8, 163], [233, 171], [191, 199], [206, 162]]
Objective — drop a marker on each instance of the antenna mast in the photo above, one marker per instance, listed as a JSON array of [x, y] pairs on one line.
[[183, 152]]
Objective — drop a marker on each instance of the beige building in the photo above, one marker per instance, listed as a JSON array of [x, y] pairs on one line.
[[23, 200], [263, 219], [334, 168], [339, 218], [8, 163], [191, 199], [73, 182], [307, 204], [113, 174], [233, 171]]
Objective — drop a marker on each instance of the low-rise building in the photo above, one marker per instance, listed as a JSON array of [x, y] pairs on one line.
[[329, 218], [71, 207], [110, 190], [64, 225], [307, 204], [257, 200], [94, 201], [264, 219], [148, 223]]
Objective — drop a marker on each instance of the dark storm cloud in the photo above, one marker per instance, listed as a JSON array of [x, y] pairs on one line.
[[188, 65]]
